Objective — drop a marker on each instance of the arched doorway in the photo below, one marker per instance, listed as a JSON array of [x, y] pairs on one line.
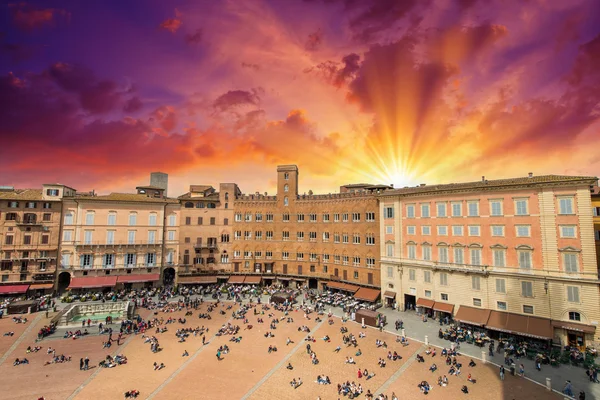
[[313, 283], [168, 276], [64, 279]]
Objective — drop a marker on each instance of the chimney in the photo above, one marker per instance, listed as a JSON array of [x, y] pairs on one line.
[[423, 184], [531, 174], [483, 179], [392, 185]]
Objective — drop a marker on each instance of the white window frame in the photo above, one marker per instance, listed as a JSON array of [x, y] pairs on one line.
[[459, 255], [425, 229], [523, 230], [457, 209], [474, 230], [470, 210], [389, 230], [411, 230], [442, 230], [425, 210], [573, 295], [410, 211], [519, 205], [475, 256], [566, 205], [441, 210], [571, 262], [458, 230], [426, 253], [496, 209], [566, 229], [525, 259], [497, 230], [443, 254]]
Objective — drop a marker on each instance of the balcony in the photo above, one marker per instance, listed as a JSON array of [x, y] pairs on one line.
[[436, 265], [208, 245], [28, 219], [117, 245]]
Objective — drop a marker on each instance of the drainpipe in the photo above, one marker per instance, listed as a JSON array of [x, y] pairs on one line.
[[59, 245], [163, 245]]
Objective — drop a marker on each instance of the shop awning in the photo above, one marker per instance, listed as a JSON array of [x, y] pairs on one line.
[[252, 280], [138, 278], [89, 282], [13, 289], [191, 280], [299, 279], [350, 288], [421, 302], [236, 279], [367, 294], [41, 286], [572, 326], [538, 328], [472, 316], [284, 278], [443, 307], [388, 294], [335, 285]]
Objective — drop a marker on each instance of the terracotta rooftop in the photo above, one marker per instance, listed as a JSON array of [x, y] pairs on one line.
[[129, 197], [200, 188], [188, 196], [497, 183], [149, 187], [21, 194]]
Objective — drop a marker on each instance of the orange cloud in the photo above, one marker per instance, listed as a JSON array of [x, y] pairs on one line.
[[172, 25], [28, 18]]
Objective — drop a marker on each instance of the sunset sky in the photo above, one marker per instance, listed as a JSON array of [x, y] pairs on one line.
[[97, 94]]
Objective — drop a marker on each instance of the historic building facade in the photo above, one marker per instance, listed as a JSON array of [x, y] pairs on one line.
[[308, 238], [205, 231], [120, 239], [29, 237], [492, 251], [596, 213]]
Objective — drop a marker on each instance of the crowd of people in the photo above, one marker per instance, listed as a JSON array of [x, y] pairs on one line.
[[261, 312]]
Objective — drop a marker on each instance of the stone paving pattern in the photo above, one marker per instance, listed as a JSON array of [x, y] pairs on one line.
[[248, 371]]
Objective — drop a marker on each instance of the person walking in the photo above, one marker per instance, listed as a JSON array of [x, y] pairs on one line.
[[491, 349], [568, 389], [86, 364], [522, 370], [81, 364], [502, 372]]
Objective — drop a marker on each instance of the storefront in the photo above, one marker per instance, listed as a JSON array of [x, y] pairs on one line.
[[443, 311], [519, 328], [93, 282], [390, 298], [236, 279], [425, 306], [197, 280], [367, 294], [574, 334], [253, 280], [137, 281]]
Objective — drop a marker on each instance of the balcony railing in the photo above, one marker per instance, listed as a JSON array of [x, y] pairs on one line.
[[482, 269], [209, 245], [141, 243]]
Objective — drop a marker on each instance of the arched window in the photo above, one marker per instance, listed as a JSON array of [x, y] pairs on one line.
[[574, 316], [286, 176], [226, 196], [286, 201], [226, 205], [286, 188], [189, 204]]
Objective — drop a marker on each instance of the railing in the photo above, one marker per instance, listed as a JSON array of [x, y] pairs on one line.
[[484, 269], [115, 244], [105, 267], [205, 245]]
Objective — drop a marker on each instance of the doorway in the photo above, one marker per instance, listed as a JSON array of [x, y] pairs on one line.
[[168, 276], [64, 279], [576, 340], [410, 302], [313, 283]]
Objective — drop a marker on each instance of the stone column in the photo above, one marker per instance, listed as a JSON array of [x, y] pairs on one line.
[[549, 384], [426, 340], [484, 356]]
